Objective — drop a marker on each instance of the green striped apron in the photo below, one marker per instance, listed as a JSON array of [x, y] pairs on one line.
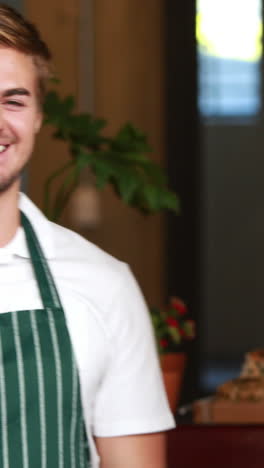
[[40, 406]]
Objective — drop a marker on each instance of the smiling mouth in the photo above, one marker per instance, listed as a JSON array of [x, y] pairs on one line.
[[3, 148]]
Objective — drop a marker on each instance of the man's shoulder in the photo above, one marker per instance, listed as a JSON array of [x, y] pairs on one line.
[[87, 269], [69, 244], [68, 249]]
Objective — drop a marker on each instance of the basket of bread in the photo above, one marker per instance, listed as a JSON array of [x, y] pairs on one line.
[[237, 401]]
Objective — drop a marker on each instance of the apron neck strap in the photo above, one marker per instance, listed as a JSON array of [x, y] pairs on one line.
[[47, 288]]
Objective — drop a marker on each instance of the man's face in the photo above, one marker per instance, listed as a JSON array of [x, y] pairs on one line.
[[20, 117]]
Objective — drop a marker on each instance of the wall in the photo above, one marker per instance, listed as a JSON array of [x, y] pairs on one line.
[[233, 239], [58, 23], [128, 86]]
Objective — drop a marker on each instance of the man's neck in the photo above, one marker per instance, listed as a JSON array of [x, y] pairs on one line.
[[9, 216]]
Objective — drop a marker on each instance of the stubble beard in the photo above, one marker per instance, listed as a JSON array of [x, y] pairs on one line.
[[7, 182]]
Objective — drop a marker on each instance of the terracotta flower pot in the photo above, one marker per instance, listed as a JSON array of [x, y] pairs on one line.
[[173, 366]]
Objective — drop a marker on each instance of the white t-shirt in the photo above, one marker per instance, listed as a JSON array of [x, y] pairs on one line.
[[121, 385]]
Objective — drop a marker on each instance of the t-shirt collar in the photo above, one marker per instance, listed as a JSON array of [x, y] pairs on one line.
[[41, 226]]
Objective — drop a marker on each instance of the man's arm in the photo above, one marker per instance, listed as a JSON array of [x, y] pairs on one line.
[[135, 451]]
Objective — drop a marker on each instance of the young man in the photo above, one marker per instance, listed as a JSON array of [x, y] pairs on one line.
[[79, 374]]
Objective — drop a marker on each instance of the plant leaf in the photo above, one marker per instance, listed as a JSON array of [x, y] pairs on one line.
[[120, 160]]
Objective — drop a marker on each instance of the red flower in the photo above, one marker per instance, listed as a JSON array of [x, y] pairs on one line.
[[178, 305], [172, 322], [163, 343]]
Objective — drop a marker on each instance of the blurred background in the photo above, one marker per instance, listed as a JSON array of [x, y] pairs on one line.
[[189, 74]]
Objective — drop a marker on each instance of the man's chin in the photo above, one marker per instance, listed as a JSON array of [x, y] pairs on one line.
[[8, 183]]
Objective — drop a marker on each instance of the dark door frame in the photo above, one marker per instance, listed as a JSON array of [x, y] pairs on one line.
[[183, 156]]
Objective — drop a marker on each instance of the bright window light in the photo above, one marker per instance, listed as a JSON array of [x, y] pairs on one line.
[[229, 40]]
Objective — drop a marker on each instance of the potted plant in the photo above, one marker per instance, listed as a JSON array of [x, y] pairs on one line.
[[120, 160], [173, 330]]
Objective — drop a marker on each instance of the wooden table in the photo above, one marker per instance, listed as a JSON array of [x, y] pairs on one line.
[[216, 446]]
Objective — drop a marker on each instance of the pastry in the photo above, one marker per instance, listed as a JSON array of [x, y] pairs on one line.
[[254, 364], [242, 389]]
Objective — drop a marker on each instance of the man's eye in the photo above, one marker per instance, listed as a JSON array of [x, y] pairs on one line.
[[14, 103]]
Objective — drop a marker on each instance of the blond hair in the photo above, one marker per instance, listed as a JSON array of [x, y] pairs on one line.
[[19, 34]]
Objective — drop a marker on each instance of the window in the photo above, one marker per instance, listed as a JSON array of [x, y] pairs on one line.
[[229, 41]]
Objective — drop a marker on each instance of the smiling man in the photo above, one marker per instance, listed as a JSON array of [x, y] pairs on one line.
[[80, 383], [20, 116]]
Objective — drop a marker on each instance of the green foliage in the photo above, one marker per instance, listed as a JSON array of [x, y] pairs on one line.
[[120, 160]]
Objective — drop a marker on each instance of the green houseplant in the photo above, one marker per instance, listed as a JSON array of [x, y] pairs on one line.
[[120, 160]]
